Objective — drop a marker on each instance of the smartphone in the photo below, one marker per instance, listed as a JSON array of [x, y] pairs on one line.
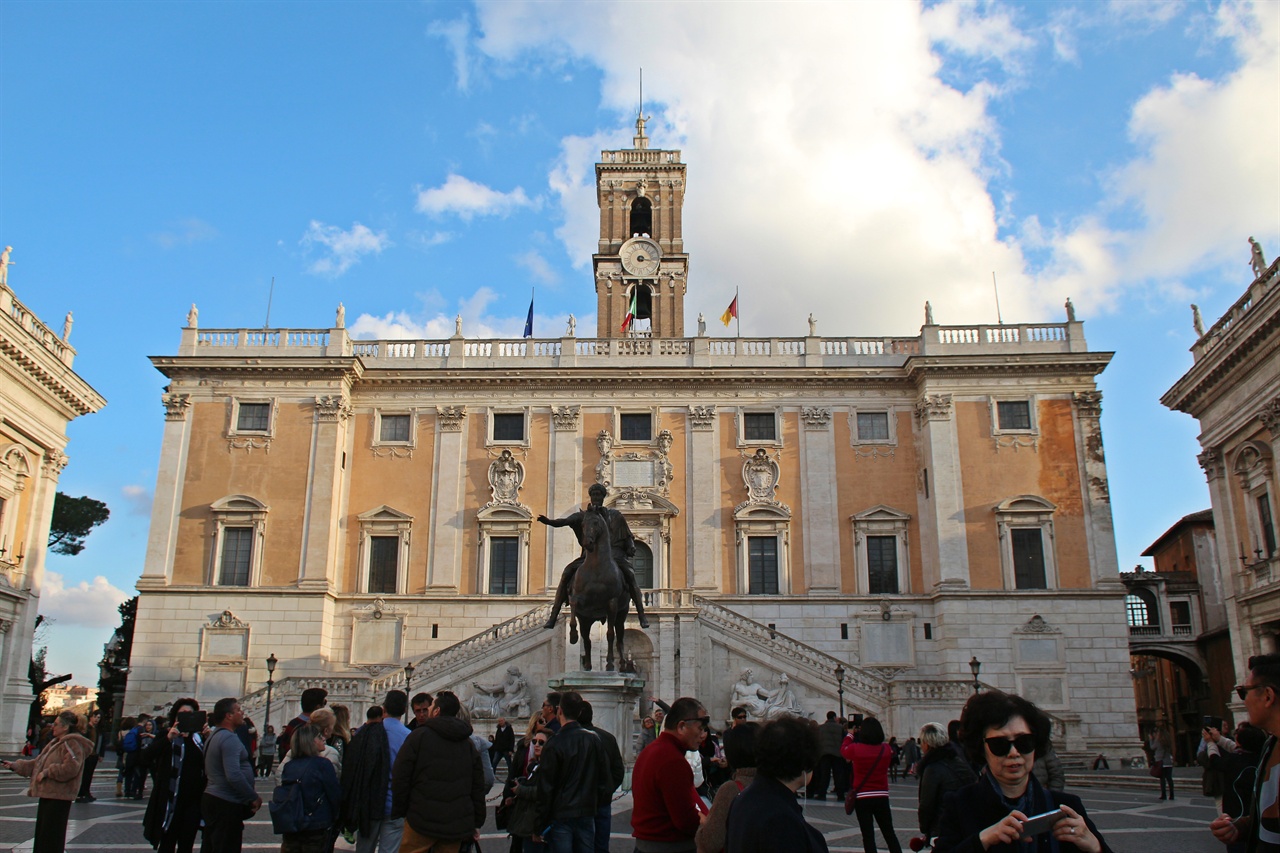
[[1041, 823], [1213, 723], [190, 722], [857, 719]]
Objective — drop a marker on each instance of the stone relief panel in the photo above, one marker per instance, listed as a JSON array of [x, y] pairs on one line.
[[506, 478], [632, 474], [702, 417], [760, 473], [450, 417], [933, 407], [508, 697], [565, 417]]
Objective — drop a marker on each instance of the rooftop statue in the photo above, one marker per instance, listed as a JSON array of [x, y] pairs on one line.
[[1257, 260]]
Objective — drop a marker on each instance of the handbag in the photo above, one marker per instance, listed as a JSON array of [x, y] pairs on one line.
[[523, 817], [851, 797], [1156, 770], [289, 809]]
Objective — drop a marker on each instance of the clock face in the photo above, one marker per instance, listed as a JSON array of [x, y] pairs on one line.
[[641, 257]]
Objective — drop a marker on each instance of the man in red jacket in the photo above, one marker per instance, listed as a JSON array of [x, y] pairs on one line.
[[665, 814]]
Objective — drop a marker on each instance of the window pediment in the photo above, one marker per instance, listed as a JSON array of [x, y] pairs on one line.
[[238, 503], [1025, 503], [880, 512], [384, 513]]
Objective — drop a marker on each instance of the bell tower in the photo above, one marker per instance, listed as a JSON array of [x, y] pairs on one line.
[[641, 260]]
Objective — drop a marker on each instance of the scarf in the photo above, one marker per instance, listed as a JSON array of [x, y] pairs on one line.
[[1034, 800], [176, 754]]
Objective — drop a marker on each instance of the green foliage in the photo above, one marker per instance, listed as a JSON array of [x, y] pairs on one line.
[[73, 520]]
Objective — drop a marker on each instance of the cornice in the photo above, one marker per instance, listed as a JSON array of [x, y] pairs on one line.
[[1056, 364], [292, 367], [1207, 380], [46, 375]]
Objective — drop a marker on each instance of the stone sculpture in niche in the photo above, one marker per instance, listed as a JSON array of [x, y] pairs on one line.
[[748, 694], [781, 701]]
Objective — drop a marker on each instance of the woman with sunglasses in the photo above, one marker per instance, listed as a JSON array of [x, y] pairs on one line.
[[519, 796], [1002, 733]]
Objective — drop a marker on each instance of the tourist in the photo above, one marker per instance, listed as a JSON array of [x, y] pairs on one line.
[[326, 721], [519, 797], [574, 781], [1235, 763], [738, 716], [910, 757], [1051, 774], [941, 771], [617, 773], [648, 732], [310, 769], [311, 699], [550, 717], [1260, 693], [55, 780], [740, 753], [341, 728], [366, 781], [895, 757], [1003, 733], [267, 752], [229, 796], [482, 747], [176, 761], [85, 795], [122, 767], [437, 782], [666, 810], [1160, 750], [131, 743], [504, 742], [831, 736], [869, 785], [765, 817], [420, 704]]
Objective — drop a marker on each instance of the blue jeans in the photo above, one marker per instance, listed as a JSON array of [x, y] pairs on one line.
[[572, 835], [384, 837], [604, 827]]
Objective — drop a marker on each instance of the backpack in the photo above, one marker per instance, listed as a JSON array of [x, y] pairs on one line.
[[289, 810], [131, 740]]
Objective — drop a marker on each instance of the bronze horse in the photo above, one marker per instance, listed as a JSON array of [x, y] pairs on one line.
[[598, 594]]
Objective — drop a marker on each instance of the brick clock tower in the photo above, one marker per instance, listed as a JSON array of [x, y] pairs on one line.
[[641, 195]]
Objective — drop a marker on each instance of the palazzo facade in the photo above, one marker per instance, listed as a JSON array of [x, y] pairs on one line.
[[852, 519]]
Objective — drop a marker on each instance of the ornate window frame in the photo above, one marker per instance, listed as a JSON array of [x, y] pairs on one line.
[[233, 416], [740, 426], [411, 442], [649, 517], [385, 521], [490, 441], [881, 520], [858, 441], [654, 424], [1026, 511], [763, 520], [1032, 413], [16, 465], [238, 511], [504, 519], [1253, 466]]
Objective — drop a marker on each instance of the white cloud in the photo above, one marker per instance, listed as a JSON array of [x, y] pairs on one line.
[[137, 498], [457, 35], [539, 269], [843, 176], [345, 247], [92, 605], [184, 232], [467, 199]]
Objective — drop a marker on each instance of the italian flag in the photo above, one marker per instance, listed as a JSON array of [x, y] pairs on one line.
[[631, 312]]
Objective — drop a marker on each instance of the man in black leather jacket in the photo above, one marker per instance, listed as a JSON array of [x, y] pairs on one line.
[[574, 780]]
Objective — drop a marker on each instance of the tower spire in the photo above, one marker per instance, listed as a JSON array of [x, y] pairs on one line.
[[640, 141]]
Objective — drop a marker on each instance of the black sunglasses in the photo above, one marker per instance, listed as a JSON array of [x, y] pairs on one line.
[[1243, 690], [999, 746]]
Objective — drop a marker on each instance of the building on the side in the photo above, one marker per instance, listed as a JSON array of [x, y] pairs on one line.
[[1178, 636], [1233, 390], [854, 520], [39, 395]]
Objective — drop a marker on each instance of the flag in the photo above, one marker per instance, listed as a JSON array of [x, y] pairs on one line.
[[528, 324], [731, 312], [631, 312]]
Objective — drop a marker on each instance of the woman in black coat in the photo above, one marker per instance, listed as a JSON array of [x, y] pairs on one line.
[[1003, 733], [176, 762]]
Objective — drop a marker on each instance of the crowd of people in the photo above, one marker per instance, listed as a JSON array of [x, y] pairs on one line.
[[989, 781]]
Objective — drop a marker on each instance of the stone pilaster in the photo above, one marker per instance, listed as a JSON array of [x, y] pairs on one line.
[[166, 506], [564, 472], [946, 560], [325, 486], [704, 562], [1099, 527], [820, 526], [445, 565]]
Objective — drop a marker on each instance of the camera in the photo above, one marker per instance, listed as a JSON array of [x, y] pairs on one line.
[[190, 722]]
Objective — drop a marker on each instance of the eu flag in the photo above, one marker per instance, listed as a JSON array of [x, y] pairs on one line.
[[528, 324]]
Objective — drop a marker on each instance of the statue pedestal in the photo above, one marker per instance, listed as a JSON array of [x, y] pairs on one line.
[[613, 700]]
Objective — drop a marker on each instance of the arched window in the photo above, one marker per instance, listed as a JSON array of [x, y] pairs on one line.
[[1140, 609], [644, 302], [641, 217], [642, 564]]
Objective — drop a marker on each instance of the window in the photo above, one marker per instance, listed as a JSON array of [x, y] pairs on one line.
[[873, 426], [504, 565], [1028, 558], [882, 565], [642, 565], [253, 417], [1180, 614], [1013, 414], [1136, 611], [641, 217], [759, 426], [635, 426], [394, 428], [384, 563], [508, 426], [237, 556], [1266, 525], [762, 562]]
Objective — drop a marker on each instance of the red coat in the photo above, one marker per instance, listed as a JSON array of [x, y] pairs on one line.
[[662, 793], [870, 767]]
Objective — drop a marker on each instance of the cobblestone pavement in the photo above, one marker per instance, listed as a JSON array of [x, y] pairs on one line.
[[1131, 821]]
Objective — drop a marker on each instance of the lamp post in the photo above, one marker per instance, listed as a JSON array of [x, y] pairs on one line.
[[975, 666], [271, 671], [840, 687], [408, 680]]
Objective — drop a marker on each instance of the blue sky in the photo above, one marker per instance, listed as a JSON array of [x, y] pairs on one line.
[[418, 160]]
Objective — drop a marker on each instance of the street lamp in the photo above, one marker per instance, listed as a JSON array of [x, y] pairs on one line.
[[408, 679], [975, 666], [271, 671], [840, 687]]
